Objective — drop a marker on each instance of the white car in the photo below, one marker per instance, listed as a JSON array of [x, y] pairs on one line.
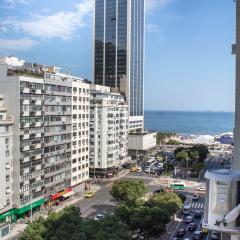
[[195, 197], [201, 189], [214, 235], [99, 216]]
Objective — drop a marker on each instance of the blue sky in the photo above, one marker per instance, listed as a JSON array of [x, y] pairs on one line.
[[188, 65]]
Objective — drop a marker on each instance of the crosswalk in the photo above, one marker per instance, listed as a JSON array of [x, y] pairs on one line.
[[141, 177], [196, 205]]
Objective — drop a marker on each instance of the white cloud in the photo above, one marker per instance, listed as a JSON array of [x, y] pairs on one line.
[[156, 4], [61, 25], [21, 44], [13, 3]]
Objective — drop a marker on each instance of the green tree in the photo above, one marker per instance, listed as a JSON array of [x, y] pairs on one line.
[[202, 151], [149, 221], [169, 201], [193, 155], [128, 192], [66, 224], [34, 231], [197, 167], [172, 142], [182, 156], [164, 136]]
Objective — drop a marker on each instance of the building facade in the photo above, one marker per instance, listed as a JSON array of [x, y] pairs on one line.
[[80, 131], [108, 131], [119, 52], [50, 132], [6, 161]]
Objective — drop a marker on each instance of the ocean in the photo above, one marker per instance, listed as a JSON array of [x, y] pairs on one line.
[[187, 123]]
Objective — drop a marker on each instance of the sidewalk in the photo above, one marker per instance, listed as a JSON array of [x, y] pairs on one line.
[[20, 226]]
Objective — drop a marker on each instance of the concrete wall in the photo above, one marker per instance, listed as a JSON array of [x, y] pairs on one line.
[[143, 141]]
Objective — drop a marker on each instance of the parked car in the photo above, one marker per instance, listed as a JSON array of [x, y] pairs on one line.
[[198, 214], [215, 235], [198, 235], [188, 219], [192, 227], [181, 232], [99, 216]]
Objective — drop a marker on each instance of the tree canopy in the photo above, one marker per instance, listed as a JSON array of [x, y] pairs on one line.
[[149, 218], [128, 192], [67, 224], [164, 136]]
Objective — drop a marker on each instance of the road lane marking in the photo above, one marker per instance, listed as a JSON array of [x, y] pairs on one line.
[[90, 205]]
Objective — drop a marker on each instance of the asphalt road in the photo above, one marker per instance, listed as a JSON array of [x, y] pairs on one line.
[[103, 202]]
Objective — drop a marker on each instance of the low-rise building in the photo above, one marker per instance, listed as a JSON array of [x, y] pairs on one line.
[[141, 143], [108, 131]]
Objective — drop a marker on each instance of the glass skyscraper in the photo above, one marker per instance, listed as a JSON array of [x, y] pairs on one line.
[[118, 51]]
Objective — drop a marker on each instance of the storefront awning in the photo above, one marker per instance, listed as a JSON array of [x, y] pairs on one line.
[[68, 194]]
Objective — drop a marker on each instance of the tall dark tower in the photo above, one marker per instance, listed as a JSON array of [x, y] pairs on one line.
[[119, 52]]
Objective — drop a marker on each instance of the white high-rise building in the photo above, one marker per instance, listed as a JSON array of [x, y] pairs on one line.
[[80, 131], [6, 160], [108, 131], [50, 132]]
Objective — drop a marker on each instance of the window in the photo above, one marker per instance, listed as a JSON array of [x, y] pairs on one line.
[[7, 153]]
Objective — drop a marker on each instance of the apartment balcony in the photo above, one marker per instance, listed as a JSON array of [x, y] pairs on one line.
[[25, 136], [25, 102], [37, 91], [24, 125], [26, 170], [58, 113], [51, 184], [38, 102], [52, 143], [62, 170], [25, 113], [57, 152], [57, 103], [24, 159], [38, 124], [24, 90], [24, 148], [39, 167], [36, 146], [53, 93], [39, 113], [39, 135], [53, 133], [38, 156]]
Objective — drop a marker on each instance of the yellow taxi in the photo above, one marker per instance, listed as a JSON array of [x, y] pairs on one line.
[[135, 169], [89, 194]]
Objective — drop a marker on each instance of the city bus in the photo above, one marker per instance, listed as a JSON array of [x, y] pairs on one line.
[[177, 186]]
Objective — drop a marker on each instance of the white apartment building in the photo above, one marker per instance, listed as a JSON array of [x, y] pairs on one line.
[[6, 160], [80, 131], [50, 132], [108, 131]]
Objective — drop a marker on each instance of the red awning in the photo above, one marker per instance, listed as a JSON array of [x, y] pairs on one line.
[[59, 194], [55, 196]]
